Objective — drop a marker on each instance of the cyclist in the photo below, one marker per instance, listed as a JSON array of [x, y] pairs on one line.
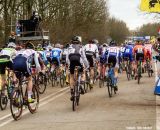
[[75, 57], [138, 52], [56, 55], [63, 61], [23, 63], [6, 61], [112, 56], [91, 51], [128, 53], [148, 53]]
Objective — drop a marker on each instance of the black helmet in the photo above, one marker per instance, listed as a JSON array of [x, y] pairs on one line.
[[75, 40], [113, 43], [29, 45], [67, 45]]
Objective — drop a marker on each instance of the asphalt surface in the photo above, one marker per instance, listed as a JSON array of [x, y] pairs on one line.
[[132, 108]]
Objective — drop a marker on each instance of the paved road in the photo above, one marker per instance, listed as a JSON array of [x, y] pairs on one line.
[[134, 107]]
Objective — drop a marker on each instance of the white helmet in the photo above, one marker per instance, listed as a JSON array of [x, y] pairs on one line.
[[12, 44]]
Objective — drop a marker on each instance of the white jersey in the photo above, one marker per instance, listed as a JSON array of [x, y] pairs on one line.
[[115, 51], [122, 49], [8, 52], [31, 55], [65, 51], [91, 49]]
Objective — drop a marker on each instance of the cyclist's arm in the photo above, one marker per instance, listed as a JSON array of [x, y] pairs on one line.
[[38, 67], [85, 61]]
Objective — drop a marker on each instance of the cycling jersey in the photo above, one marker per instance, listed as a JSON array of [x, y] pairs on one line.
[[148, 51], [56, 55], [128, 52], [6, 59], [139, 51], [42, 54], [91, 51], [7, 54], [24, 60], [113, 56], [76, 57]]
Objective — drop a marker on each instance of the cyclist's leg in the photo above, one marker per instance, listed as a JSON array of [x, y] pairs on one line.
[[3, 66]]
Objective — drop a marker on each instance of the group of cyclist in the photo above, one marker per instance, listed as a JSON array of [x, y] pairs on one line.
[[29, 60]]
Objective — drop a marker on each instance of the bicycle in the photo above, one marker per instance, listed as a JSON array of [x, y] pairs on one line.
[[7, 90], [77, 88], [110, 82], [128, 69], [19, 98]]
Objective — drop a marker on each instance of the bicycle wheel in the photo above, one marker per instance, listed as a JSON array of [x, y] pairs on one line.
[[16, 104], [42, 83], [109, 86], [34, 106], [101, 82], [53, 78], [139, 75], [3, 98], [74, 102], [62, 80]]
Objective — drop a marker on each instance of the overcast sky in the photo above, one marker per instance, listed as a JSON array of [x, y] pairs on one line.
[[128, 11]]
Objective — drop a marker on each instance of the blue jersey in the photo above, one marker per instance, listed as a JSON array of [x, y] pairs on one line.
[[56, 53], [128, 49]]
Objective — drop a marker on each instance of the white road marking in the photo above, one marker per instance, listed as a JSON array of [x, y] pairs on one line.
[[56, 95]]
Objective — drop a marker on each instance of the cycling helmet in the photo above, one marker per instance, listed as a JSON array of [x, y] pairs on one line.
[[105, 45], [76, 40], [95, 41], [67, 45], [12, 45], [29, 45], [113, 43]]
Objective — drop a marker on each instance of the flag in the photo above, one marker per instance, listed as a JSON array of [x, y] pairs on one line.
[[151, 6]]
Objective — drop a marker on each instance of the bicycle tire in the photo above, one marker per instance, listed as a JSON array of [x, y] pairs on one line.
[[35, 96], [42, 83], [62, 80], [17, 103], [53, 78], [3, 99], [74, 102], [109, 86]]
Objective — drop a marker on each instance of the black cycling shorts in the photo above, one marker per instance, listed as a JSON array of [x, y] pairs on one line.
[[112, 60], [139, 56], [5, 64], [90, 60], [75, 61]]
